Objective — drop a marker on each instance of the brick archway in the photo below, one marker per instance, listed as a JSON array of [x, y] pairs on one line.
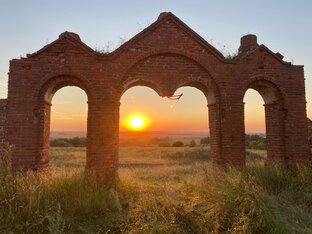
[[275, 116], [167, 72], [165, 56], [42, 113]]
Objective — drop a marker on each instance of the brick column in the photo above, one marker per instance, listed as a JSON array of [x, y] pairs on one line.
[[22, 132], [296, 130], [275, 135], [42, 118], [233, 134], [215, 133], [102, 139]]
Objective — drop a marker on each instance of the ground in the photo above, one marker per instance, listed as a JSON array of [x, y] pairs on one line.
[[160, 190]]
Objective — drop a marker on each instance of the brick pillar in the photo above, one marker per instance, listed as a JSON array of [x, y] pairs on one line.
[[233, 133], [43, 117], [22, 133], [275, 135], [215, 133], [296, 130], [102, 139]]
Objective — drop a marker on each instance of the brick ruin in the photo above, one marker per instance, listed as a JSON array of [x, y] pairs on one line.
[[165, 56]]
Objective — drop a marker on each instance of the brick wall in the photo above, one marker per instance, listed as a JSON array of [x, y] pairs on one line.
[[165, 56]]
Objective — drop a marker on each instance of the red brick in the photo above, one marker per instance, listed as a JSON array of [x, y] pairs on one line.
[[165, 56]]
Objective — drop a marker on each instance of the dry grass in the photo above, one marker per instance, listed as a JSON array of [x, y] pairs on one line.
[[161, 190]]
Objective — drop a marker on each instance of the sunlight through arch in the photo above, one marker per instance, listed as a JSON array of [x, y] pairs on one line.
[[189, 114], [68, 128], [255, 126], [175, 127], [69, 110], [254, 112]]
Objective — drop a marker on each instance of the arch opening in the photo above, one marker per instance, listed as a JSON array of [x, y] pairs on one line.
[[214, 125], [255, 128], [264, 127], [170, 71], [62, 123], [68, 128], [173, 133]]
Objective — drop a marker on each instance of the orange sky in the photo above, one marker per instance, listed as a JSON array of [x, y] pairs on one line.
[[190, 113]]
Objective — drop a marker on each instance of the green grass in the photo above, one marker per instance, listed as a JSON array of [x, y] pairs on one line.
[[161, 190]]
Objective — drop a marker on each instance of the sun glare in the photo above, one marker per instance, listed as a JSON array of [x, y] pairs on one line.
[[136, 122]]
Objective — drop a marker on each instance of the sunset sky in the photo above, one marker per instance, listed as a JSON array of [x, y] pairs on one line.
[[284, 26], [190, 113]]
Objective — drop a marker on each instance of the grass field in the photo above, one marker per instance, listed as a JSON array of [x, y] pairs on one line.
[[161, 190]]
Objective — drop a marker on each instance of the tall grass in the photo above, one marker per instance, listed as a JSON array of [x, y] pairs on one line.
[[254, 199], [260, 200], [38, 203], [5, 160]]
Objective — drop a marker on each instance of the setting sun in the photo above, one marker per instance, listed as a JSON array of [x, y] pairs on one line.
[[136, 122]]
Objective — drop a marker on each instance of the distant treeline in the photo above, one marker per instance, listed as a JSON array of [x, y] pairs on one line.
[[69, 142], [252, 142], [255, 141]]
